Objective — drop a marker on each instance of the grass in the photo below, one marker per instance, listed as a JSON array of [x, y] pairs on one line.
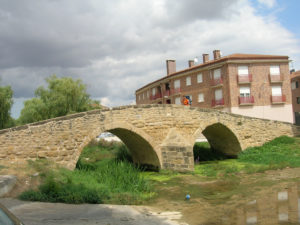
[[105, 174], [98, 178], [279, 153]]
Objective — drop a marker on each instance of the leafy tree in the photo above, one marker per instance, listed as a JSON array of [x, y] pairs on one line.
[[62, 96], [34, 110], [6, 102]]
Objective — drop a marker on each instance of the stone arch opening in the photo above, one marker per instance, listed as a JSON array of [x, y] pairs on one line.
[[141, 150], [222, 140]]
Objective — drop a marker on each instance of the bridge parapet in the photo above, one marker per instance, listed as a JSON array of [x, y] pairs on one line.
[[162, 135]]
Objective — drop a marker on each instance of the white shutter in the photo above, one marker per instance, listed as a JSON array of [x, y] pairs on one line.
[[276, 91], [293, 85], [201, 97], [218, 94], [153, 91], [188, 81], [244, 91], [178, 101], [243, 70], [199, 78], [217, 73], [177, 84], [274, 70]]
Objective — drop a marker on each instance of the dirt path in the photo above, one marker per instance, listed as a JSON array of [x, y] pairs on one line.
[[37, 213]]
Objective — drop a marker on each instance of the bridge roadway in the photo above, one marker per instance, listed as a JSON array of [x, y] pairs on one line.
[[159, 135]]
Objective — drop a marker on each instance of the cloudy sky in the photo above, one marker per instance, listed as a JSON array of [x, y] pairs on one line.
[[117, 46]]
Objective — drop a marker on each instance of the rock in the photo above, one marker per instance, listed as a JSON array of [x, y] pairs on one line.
[[7, 182]]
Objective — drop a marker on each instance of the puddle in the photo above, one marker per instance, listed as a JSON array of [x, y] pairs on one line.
[[267, 198]]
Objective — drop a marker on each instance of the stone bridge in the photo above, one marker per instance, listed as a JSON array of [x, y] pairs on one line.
[[159, 135]]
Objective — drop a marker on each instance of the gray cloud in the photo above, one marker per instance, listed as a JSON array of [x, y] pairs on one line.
[[118, 46]]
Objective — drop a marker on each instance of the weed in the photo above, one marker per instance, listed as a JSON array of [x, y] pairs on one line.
[[203, 152]]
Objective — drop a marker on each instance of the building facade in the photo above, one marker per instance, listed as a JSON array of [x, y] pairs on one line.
[[295, 83], [246, 84]]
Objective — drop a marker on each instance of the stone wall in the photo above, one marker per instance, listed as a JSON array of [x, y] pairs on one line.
[[161, 135]]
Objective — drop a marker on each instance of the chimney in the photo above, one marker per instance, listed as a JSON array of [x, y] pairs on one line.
[[171, 66], [191, 63], [217, 54], [205, 58]]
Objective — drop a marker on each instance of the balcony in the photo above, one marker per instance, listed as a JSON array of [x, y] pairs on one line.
[[275, 78], [246, 100], [216, 82], [244, 79], [278, 99], [217, 103], [175, 91], [156, 96]]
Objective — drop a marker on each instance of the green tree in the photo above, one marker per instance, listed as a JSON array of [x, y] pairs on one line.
[[6, 102], [34, 110], [62, 96]]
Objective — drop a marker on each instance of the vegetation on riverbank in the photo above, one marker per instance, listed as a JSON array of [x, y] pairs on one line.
[[99, 177], [279, 153], [105, 174]]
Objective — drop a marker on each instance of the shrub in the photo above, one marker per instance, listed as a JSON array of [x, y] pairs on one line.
[[123, 154], [203, 152]]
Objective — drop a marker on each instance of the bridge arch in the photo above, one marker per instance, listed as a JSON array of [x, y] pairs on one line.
[[221, 138], [138, 142]]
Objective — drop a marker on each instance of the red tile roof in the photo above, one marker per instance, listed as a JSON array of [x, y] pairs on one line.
[[233, 56]]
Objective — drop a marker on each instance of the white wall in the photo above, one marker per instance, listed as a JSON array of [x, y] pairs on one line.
[[280, 112]]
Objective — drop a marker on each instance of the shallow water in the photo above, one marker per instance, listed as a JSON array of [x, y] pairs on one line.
[[267, 198]]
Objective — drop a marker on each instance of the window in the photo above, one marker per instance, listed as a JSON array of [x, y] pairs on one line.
[[177, 84], [297, 85], [178, 101], [293, 85], [243, 70], [298, 100], [200, 97], [153, 91], [217, 74], [244, 91], [276, 91], [148, 94], [199, 78], [218, 94], [143, 96], [188, 81], [274, 70]]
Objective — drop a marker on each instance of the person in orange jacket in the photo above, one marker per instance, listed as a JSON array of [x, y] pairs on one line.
[[185, 101]]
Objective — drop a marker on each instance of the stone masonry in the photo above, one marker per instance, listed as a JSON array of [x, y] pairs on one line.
[[159, 135]]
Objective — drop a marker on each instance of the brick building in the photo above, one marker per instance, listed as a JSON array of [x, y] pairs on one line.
[[295, 81], [246, 84]]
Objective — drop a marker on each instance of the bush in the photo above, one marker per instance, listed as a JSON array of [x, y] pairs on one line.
[[123, 154], [203, 152], [56, 191], [96, 182]]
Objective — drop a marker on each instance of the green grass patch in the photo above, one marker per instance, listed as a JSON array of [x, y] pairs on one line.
[[96, 179], [279, 153]]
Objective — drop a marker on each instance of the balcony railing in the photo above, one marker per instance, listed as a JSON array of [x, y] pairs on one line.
[[219, 102], [275, 78], [246, 100], [156, 96], [167, 93], [278, 99], [244, 79], [216, 82]]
